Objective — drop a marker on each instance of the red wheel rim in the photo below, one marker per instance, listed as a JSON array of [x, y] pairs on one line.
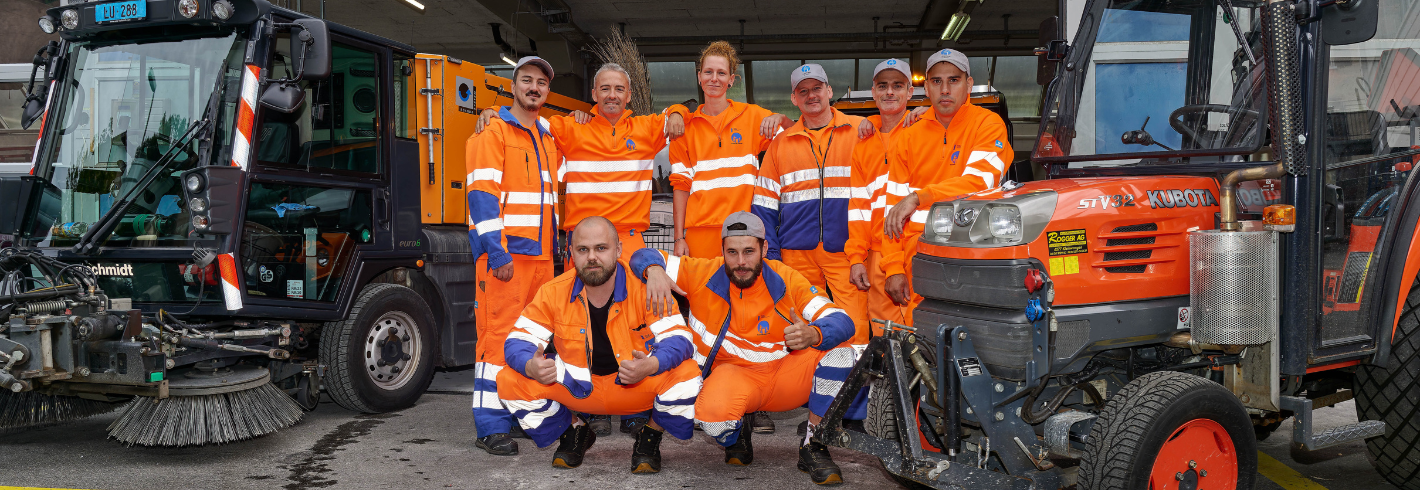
[[1198, 455]]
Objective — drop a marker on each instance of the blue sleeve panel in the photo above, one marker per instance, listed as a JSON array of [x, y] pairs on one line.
[[483, 207], [646, 257], [671, 352], [836, 327], [771, 230], [517, 353]]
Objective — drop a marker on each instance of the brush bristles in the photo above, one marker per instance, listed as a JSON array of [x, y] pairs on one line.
[[205, 419], [30, 409], [620, 49]]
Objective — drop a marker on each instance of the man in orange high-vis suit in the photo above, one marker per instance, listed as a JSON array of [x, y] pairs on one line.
[[613, 356], [773, 342], [961, 149], [512, 200], [892, 88]]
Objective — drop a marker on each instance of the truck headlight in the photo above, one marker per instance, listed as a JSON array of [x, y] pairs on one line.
[[46, 24], [941, 220], [222, 9], [70, 18], [188, 8], [1004, 222]]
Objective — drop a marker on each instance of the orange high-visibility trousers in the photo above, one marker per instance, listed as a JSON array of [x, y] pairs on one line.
[[704, 242], [497, 307], [545, 411], [880, 305], [804, 377], [831, 270]]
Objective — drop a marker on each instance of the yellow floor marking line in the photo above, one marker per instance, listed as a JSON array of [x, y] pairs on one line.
[[1283, 475]]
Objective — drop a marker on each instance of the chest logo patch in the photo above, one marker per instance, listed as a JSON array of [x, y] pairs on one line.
[[631, 145], [735, 138], [763, 327], [998, 144]]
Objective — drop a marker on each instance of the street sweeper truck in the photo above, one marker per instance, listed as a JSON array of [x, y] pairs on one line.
[[231, 209]]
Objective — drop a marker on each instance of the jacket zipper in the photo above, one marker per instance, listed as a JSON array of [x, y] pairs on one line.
[[821, 191], [587, 310]]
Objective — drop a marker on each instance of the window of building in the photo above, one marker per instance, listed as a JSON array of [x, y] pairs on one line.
[[840, 75], [771, 85]]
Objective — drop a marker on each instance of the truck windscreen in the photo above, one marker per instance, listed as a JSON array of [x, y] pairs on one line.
[[121, 108]]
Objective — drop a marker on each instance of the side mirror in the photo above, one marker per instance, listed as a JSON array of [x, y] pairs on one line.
[[1349, 21], [34, 108], [312, 61], [1050, 53], [283, 97]]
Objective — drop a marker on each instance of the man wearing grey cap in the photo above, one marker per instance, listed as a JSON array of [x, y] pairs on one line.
[[513, 220], [961, 149], [766, 339]]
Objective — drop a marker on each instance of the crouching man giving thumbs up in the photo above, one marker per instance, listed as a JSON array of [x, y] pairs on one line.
[[613, 356], [753, 344]]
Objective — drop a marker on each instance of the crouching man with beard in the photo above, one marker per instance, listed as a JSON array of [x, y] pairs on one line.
[[612, 355]]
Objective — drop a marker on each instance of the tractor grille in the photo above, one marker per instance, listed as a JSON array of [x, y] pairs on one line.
[[1132, 254], [1070, 337], [1353, 276]]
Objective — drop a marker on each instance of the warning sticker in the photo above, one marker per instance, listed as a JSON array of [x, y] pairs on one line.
[[1060, 266], [1066, 242], [969, 367]]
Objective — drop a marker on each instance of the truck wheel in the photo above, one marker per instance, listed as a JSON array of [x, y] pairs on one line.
[[381, 357], [1171, 430], [1390, 393], [882, 416]]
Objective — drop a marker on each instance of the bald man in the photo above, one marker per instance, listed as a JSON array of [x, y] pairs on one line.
[[613, 355]]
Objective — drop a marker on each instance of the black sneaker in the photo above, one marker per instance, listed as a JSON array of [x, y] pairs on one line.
[[575, 443], [517, 432], [497, 445], [601, 424], [646, 452], [803, 428], [762, 423], [630, 424], [815, 460], [741, 453]]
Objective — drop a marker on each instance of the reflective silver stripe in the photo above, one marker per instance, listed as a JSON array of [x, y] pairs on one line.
[[990, 158], [609, 166], [522, 220], [859, 215], [608, 187], [681, 169], [769, 184], [523, 336], [721, 183], [897, 189], [727, 162], [829, 311], [529, 198], [799, 176], [673, 267], [533, 327], [919, 216], [492, 174], [986, 177], [766, 202], [661, 326], [814, 305], [811, 194], [485, 226]]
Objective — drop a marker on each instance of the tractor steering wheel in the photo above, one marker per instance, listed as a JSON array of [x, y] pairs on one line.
[[1190, 136]]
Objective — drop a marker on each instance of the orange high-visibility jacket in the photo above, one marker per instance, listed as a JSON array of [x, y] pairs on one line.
[[512, 196], [559, 314], [717, 162], [609, 168], [942, 163], [753, 319], [869, 198], [804, 185]]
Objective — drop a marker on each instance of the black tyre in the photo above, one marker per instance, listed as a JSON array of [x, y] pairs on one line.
[[1391, 393], [1174, 429], [381, 357], [882, 414]]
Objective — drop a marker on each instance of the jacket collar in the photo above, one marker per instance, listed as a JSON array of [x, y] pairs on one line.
[[618, 293], [773, 282], [839, 119], [730, 113], [597, 117], [507, 116]]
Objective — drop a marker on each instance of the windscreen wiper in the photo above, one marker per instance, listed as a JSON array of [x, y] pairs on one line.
[[87, 244], [1227, 6]]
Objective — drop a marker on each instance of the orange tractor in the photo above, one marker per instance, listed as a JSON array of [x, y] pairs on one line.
[[1227, 239]]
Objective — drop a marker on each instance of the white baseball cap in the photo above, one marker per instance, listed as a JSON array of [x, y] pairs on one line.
[[811, 70], [535, 61], [950, 56], [893, 64]]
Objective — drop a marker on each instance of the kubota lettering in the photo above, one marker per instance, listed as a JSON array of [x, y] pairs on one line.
[[1178, 198]]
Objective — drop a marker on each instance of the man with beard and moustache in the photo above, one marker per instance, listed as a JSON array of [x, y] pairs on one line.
[[757, 352], [512, 201], [614, 355], [961, 149]]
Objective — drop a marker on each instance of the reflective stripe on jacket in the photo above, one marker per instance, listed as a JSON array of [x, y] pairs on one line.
[[609, 168], [512, 196], [717, 162], [804, 186]]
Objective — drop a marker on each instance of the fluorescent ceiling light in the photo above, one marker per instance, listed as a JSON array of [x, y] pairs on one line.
[[415, 4], [956, 26], [508, 60]]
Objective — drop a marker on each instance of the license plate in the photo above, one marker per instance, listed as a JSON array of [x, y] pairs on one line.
[[116, 11]]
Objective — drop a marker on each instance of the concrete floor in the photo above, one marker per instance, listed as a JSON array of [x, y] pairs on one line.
[[431, 446]]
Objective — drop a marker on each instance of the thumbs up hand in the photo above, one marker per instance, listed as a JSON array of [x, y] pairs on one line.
[[637, 368], [799, 335]]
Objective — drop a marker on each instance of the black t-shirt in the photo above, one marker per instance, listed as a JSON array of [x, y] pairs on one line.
[[603, 357]]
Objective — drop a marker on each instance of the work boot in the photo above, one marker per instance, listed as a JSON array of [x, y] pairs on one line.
[[815, 460], [762, 423], [630, 424], [497, 444], [575, 443], [646, 452], [601, 424], [853, 425], [517, 432], [741, 453]]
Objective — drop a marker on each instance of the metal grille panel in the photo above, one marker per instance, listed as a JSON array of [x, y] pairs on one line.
[[1070, 337], [1353, 276], [1233, 286]]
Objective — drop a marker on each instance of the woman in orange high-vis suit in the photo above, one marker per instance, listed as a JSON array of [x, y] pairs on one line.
[[715, 164]]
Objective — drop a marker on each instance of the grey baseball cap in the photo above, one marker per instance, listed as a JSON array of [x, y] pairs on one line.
[[752, 225], [893, 64], [811, 70], [535, 61], [950, 56]]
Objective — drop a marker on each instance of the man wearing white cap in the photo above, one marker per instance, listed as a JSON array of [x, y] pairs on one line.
[[961, 149], [513, 227]]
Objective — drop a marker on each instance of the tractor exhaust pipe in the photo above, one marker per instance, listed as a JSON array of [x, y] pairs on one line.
[[1279, 38]]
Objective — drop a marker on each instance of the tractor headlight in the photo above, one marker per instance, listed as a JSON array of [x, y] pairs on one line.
[[939, 226], [194, 183], [70, 18], [1003, 222], [188, 8], [197, 204], [222, 9], [46, 24]]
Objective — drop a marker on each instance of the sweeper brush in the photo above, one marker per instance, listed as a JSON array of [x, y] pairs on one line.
[[208, 406], [28, 409]]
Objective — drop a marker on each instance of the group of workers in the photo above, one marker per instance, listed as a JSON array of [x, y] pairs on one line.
[[783, 257]]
